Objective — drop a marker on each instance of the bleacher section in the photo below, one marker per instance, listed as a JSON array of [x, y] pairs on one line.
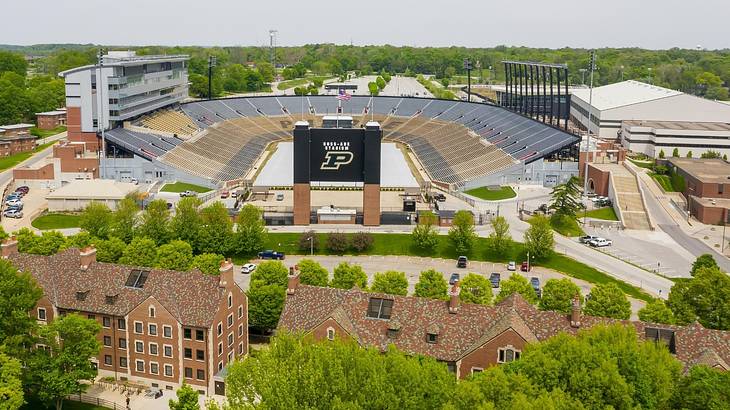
[[455, 141], [170, 121]]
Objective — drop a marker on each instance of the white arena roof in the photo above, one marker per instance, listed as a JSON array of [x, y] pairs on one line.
[[622, 94]]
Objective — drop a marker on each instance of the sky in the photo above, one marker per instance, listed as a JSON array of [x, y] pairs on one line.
[[654, 24]]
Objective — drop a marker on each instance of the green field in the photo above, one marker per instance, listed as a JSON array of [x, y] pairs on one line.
[[642, 164], [184, 186], [56, 221], [401, 244], [285, 85], [664, 181], [607, 214], [47, 133], [13, 160], [505, 192]]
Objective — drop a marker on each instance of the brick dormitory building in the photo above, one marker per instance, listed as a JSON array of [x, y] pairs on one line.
[[159, 327], [468, 337]]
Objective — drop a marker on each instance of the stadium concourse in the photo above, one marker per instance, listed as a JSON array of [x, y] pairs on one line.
[[455, 142]]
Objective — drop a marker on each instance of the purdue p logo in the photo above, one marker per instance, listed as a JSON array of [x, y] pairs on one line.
[[333, 159]]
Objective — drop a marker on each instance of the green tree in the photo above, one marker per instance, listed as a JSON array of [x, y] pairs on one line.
[[431, 284], [703, 388], [176, 255], [362, 241], [706, 298], [373, 88], [186, 223], [140, 252], [380, 82], [64, 368], [656, 311], [318, 82], [539, 240], [48, 243], [566, 198], [265, 303], [187, 399], [475, 289], [661, 154], [80, 240], [337, 242], [208, 263], [517, 284], [110, 250], [271, 273], [500, 240], [425, 235], [675, 153], [558, 295], [19, 293], [155, 222], [710, 154], [462, 234], [14, 62], [96, 219], [346, 276], [703, 261], [607, 300], [11, 387], [391, 282], [14, 102], [266, 70], [124, 219], [312, 273], [216, 230], [250, 230], [689, 154]]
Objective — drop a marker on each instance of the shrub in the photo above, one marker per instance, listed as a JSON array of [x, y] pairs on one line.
[[305, 244], [362, 241], [337, 242]]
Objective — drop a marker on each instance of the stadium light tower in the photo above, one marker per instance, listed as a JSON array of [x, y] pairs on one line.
[[212, 61], [468, 67], [272, 46], [588, 127]]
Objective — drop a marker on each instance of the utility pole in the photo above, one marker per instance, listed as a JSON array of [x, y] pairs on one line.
[[468, 68], [272, 47], [588, 127], [100, 120], [212, 61]]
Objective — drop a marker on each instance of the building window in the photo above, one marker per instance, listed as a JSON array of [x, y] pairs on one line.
[[200, 374], [199, 335], [188, 373], [230, 339], [240, 311], [138, 328], [240, 348], [167, 332], [220, 328], [106, 321], [230, 301], [122, 324], [42, 313], [476, 370], [188, 353], [187, 333], [152, 328], [508, 354], [91, 317], [152, 311], [230, 356], [379, 308], [330, 333], [123, 362], [167, 350], [720, 188], [431, 337], [200, 355], [153, 349], [108, 360], [168, 370], [140, 366], [122, 343], [240, 330], [154, 368], [230, 320], [107, 341], [220, 348], [139, 346], [665, 336], [220, 366]]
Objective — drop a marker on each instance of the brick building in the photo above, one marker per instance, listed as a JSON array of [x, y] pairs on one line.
[[159, 327], [467, 337], [16, 143], [51, 119], [15, 129], [707, 188]]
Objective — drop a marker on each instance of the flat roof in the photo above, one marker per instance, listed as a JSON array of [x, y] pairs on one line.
[[706, 170], [680, 125], [622, 94], [713, 202], [93, 189], [57, 112], [16, 126]]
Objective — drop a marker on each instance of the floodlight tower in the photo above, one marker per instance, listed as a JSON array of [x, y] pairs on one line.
[[212, 62], [588, 126], [468, 67], [272, 46]]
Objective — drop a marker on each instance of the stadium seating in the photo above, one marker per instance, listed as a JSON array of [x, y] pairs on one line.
[[170, 121]]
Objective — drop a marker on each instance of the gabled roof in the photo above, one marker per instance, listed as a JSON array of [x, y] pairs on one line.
[[625, 93], [471, 326], [191, 297]]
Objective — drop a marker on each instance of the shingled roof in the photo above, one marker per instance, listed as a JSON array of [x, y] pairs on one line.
[[191, 297], [470, 327]]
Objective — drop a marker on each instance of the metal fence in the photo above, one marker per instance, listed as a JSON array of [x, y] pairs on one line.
[[83, 398]]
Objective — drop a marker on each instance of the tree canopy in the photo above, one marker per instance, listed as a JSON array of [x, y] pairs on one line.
[[517, 284], [462, 234], [347, 276], [607, 300], [431, 284], [391, 282]]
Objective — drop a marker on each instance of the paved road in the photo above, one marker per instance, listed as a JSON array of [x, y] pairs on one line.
[[7, 175]]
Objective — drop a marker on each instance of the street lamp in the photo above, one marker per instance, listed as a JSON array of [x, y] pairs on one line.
[[311, 244], [582, 76]]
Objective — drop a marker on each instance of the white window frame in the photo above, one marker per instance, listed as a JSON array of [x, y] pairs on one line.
[[231, 339], [231, 355], [164, 354], [163, 331], [229, 321], [45, 314], [102, 322], [136, 366], [220, 328], [157, 348], [240, 348], [240, 330], [331, 333], [149, 331], [158, 368], [152, 311], [138, 343], [515, 353], [135, 328], [230, 300], [220, 348], [240, 311], [196, 374], [164, 371], [476, 369]]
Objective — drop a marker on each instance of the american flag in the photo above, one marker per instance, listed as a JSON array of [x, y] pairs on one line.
[[344, 96]]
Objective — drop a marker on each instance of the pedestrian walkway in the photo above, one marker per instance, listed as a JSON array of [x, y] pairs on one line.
[[628, 197]]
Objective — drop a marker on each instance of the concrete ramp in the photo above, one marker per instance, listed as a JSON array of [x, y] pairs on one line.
[[628, 203]]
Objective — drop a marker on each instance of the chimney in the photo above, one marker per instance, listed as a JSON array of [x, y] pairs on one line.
[[575, 312], [293, 281], [454, 298], [9, 247], [88, 256], [226, 273]]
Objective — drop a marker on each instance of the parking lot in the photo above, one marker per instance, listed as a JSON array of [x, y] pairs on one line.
[[33, 204]]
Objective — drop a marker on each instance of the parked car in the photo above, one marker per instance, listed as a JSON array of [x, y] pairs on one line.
[[600, 242], [440, 197], [13, 202], [495, 278], [269, 254], [14, 195], [13, 213], [135, 181], [462, 262], [454, 278], [525, 267], [24, 189], [234, 194], [279, 197], [535, 282], [511, 266], [188, 194], [18, 207], [248, 268], [599, 198], [225, 194], [587, 238], [603, 203]]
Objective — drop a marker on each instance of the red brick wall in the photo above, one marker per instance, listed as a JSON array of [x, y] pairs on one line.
[[709, 214], [49, 122], [239, 299], [17, 146], [44, 172], [69, 163], [195, 345], [162, 318], [46, 304], [488, 354], [320, 332], [73, 126], [600, 180]]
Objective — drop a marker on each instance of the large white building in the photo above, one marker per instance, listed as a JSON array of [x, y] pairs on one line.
[[634, 100], [653, 137]]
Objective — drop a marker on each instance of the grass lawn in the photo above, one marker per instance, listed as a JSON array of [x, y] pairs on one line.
[[505, 192], [664, 181], [401, 244], [642, 164], [184, 186], [13, 160], [47, 133], [56, 221], [564, 226], [606, 213]]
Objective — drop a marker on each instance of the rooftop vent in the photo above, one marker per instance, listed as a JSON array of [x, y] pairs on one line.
[[137, 278], [81, 294]]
